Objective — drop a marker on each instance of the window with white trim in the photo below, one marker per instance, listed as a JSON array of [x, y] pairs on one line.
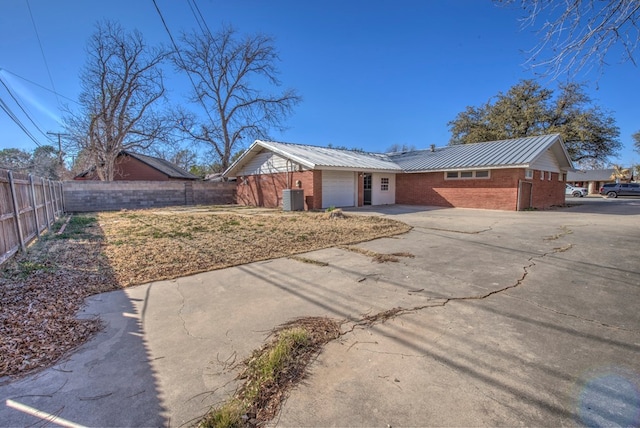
[[549, 175], [384, 184], [528, 173], [541, 175], [466, 175]]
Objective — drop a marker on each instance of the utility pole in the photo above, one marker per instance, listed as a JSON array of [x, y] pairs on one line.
[[60, 135]]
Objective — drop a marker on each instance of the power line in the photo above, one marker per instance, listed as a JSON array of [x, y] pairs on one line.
[[15, 118], [204, 22], [177, 49], [44, 58], [38, 85], [21, 107]]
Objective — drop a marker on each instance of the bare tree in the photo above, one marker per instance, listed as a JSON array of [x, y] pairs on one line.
[[121, 83], [580, 33], [228, 74]]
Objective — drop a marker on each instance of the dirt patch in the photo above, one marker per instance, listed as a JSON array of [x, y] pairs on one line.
[[41, 291]]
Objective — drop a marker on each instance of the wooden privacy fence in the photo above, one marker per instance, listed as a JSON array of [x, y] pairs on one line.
[[28, 205]]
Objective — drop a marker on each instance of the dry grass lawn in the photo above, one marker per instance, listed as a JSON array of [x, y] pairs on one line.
[[41, 291]]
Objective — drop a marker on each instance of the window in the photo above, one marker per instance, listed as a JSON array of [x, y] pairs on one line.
[[528, 173], [456, 175], [549, 175], [541, 175], [384, 184]]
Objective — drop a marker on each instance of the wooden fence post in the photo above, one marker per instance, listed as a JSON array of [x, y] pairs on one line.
[[16, 211], [34, 205], [61, 196], [44, 198], [53, 202]]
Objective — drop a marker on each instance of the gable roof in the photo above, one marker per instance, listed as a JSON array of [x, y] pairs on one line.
[[513, 153], [314, 157], [164, 166], [517, 152]]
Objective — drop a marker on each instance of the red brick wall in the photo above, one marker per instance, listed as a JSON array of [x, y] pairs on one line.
[[317, 192], [360, 190], [498, 192], [546, 193], [266, 190]]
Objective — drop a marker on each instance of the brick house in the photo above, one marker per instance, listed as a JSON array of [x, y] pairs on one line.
[[514, 174], [134, 167]]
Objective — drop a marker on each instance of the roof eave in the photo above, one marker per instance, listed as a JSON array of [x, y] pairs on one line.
[[255, 148], [358, 169]]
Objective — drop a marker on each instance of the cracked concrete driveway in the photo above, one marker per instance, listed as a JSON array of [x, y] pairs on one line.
[[504, 319]]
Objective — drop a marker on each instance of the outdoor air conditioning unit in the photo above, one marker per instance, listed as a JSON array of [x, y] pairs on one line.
[[293, 200]]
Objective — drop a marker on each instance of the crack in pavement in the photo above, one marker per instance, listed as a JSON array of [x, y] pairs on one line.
[[182, 304], [566, 314], [381, 317], [473, 232]]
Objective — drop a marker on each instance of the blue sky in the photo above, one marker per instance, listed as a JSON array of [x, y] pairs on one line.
[[371, 73]]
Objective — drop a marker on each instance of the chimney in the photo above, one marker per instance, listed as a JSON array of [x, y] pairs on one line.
[[433, 147]]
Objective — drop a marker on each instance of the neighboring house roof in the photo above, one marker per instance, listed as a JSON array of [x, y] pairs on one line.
[[518, 152], [591, 175], [162, 165], [165, 167]]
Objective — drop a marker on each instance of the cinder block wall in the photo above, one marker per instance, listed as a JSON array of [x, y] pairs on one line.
[[86, 196], [213, 193]]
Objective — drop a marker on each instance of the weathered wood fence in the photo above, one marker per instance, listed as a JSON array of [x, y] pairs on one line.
[[28, 206]]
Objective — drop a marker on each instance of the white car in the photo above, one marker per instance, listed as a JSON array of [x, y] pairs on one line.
[[576, 192]]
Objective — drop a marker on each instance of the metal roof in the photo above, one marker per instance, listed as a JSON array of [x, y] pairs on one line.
[[518, 152], [314, 157]]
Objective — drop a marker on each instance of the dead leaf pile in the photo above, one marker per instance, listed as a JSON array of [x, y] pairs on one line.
[[40, 294]]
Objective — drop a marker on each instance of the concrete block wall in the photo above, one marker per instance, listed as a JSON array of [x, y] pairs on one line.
[[87, 196], [213, 193]]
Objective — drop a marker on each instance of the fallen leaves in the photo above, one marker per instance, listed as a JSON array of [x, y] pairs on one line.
[[40, 294]]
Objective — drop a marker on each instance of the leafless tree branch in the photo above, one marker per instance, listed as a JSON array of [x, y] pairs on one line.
[[580, 34]]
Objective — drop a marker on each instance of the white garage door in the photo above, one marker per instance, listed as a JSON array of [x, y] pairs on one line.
[[338, 189]]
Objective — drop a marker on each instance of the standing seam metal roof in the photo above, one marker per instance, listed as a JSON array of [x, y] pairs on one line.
[[514, 152], [324, 157]]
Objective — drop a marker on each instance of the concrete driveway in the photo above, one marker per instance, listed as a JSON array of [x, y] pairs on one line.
[[527, 318]]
